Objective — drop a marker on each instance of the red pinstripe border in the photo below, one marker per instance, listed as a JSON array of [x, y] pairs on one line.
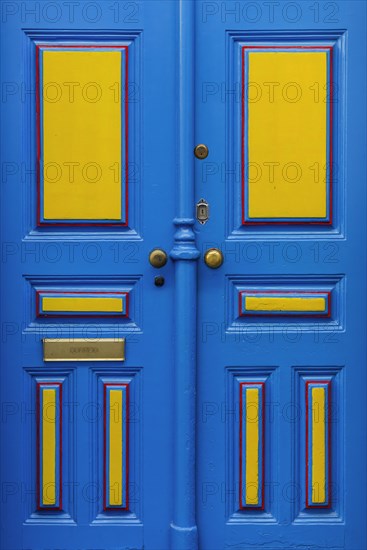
[[38, 458], [93, 316], [38, 137], [262, 507], [279, 314], [105, 507], [328, 504], [291, 222]]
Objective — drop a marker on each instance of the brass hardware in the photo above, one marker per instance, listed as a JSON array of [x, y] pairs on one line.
[[213, 258], [202, 211], [158, 257], [83, 349], [201, 151], [159, 281]]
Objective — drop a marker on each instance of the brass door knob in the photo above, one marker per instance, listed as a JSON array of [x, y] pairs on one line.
[[158, 257], [213, 258], [201, 151]]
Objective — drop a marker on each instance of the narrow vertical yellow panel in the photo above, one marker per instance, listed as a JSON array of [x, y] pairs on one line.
[[48, 447], [287, 134], [81, 135], [318, 445], [252, 445], [115, 447]]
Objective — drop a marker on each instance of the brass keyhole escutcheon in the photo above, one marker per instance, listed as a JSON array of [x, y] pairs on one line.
[[201, 151], [213, 258], [158, 258]]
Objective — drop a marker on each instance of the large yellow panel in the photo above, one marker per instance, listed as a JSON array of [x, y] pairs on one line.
[[48, 447], [114, 305], [318, 445], [271, 303], [81, 135], [287, 135], [115, 450], [252, 446]]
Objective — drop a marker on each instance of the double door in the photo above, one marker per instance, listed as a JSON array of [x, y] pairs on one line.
[[183, 275]]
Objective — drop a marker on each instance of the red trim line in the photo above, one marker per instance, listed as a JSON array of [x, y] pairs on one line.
[[78, 316], [60, 443], [107, 384], [329, 442], [38, 442], [307, 441], [127, 443], [331, 99], [240, 440], [262, 507], [38, 138], [104, 444], [127, 136], [243, 137], [38, 474], [328, 503], [291, 222]]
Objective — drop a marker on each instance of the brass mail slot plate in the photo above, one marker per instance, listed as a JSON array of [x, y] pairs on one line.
[[82, 349]]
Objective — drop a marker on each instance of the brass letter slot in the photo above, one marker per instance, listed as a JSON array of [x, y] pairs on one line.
[[82, 349]]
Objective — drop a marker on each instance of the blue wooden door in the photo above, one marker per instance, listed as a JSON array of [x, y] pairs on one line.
[[217, 401], [87, 194], [281, 361]]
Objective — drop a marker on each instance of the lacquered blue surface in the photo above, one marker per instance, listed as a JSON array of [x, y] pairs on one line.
[[96, 258], [284, 353], [188, 350]]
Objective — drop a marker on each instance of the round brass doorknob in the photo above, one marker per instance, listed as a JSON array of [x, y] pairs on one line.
[[213, 258], [201, 151], [158, 257]]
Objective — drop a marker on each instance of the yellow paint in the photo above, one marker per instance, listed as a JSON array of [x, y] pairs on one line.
[[48, 447], [252, 446], [318, 445], [115, 450], [103, 305], [82, 125], [272, 303], [287, 134]]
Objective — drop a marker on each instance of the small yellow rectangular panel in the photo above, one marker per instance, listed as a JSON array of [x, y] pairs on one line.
[[115, 450], [269, 303], [318, 445], [82, 349], [111, 305], [252, 445], [81, 135], [287, 135], [48, 447]]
